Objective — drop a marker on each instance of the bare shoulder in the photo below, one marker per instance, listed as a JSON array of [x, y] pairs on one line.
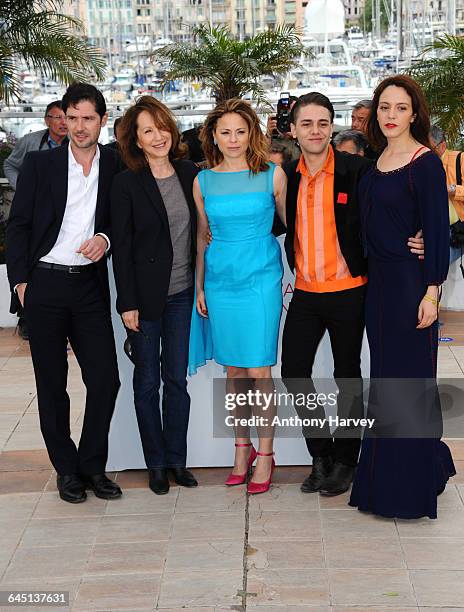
[[279, 174]]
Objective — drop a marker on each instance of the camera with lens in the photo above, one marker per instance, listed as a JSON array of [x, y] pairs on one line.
[[283, 113]]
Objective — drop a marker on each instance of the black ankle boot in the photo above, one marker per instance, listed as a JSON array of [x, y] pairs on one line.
[[322, 467]]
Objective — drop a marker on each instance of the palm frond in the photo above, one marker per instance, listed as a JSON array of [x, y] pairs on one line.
[[232, 67], [442, 79], [47, 41]]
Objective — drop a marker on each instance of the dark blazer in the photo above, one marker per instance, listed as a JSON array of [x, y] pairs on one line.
[[348, 170], [141, 240], [38, 209]]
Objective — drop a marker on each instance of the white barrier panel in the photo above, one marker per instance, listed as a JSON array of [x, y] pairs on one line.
[[453, 289], [204, 450], [6, 319]]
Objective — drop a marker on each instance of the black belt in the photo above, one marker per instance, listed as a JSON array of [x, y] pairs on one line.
[[68, 269]]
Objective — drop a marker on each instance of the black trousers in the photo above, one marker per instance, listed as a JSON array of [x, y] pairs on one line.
[[341, 313], [61, 306]]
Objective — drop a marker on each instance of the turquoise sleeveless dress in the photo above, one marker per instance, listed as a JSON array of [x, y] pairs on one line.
[[243, 273]]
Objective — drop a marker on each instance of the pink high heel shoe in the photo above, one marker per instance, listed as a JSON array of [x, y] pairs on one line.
[[261, 487], [238, 479]]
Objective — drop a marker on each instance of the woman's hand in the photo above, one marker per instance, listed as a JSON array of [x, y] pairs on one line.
[[201, 304], [131, 320], [428, 309]]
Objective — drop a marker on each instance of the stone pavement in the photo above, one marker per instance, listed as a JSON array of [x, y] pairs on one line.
[[212, 548]]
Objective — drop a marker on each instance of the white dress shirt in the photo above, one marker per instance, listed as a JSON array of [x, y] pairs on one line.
[[78, 223]]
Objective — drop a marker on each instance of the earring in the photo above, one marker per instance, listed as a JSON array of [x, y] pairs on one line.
[[214, 141]]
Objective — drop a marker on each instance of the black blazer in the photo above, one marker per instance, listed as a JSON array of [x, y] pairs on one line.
[[38, 209], [141, 240], [348, 170]]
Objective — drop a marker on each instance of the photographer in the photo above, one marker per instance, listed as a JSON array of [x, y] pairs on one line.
[[453, 163], [278, 127]]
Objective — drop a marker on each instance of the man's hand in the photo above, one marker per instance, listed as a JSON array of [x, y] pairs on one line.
[[416, 245], [20, 291], [131, 320], [93, 249], [271, 126]]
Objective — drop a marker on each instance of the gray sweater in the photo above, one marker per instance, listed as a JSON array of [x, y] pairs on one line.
[[180, 230]]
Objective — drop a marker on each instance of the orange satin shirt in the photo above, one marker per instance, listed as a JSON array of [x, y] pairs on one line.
[[319, 264]]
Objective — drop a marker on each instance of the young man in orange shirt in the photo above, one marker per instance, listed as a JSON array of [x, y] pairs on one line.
[[324, 249]]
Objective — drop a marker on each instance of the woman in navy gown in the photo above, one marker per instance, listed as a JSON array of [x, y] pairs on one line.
[[238, 277], [401, 475]]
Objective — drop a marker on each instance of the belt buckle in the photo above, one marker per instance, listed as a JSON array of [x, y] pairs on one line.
[[74, 270]]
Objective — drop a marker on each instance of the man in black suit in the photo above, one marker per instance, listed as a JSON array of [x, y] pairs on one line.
[[57, 237]]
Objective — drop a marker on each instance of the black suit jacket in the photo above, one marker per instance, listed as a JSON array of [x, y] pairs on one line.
[[141, 240], [348, 170], [38, 209]]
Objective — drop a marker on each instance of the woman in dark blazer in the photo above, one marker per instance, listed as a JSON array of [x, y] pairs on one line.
[[153, 242]]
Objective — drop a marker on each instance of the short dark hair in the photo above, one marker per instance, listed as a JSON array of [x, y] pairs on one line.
[[360, 141], [420, 127], [77, 92], [55, 104], [117, 121], [316, 98], [278, 147]]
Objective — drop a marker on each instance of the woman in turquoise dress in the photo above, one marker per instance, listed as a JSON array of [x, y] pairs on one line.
[[238, 306]]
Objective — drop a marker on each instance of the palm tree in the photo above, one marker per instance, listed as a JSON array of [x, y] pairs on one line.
[[47, 41], [229, 67], [442, 79]]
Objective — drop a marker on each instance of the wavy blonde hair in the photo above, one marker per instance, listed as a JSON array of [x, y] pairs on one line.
[[258, 147]]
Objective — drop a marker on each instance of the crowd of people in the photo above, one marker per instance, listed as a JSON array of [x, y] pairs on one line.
[[198, 272]]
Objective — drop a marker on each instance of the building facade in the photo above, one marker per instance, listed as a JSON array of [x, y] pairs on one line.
[[353, 10], [115, 22]]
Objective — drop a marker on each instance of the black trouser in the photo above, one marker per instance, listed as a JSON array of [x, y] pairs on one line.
[[58, 306], [341, 313], [20, 313]]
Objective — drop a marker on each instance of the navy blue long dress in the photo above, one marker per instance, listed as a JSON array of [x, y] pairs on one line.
[[401, 477]]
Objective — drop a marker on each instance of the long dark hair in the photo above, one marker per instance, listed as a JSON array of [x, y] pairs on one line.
[[421, 125]]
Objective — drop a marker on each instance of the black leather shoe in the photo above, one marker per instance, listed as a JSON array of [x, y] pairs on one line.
[[322, 467], [183, 477], [158, 481], [71, 488], [102, 486], [339, 480]]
